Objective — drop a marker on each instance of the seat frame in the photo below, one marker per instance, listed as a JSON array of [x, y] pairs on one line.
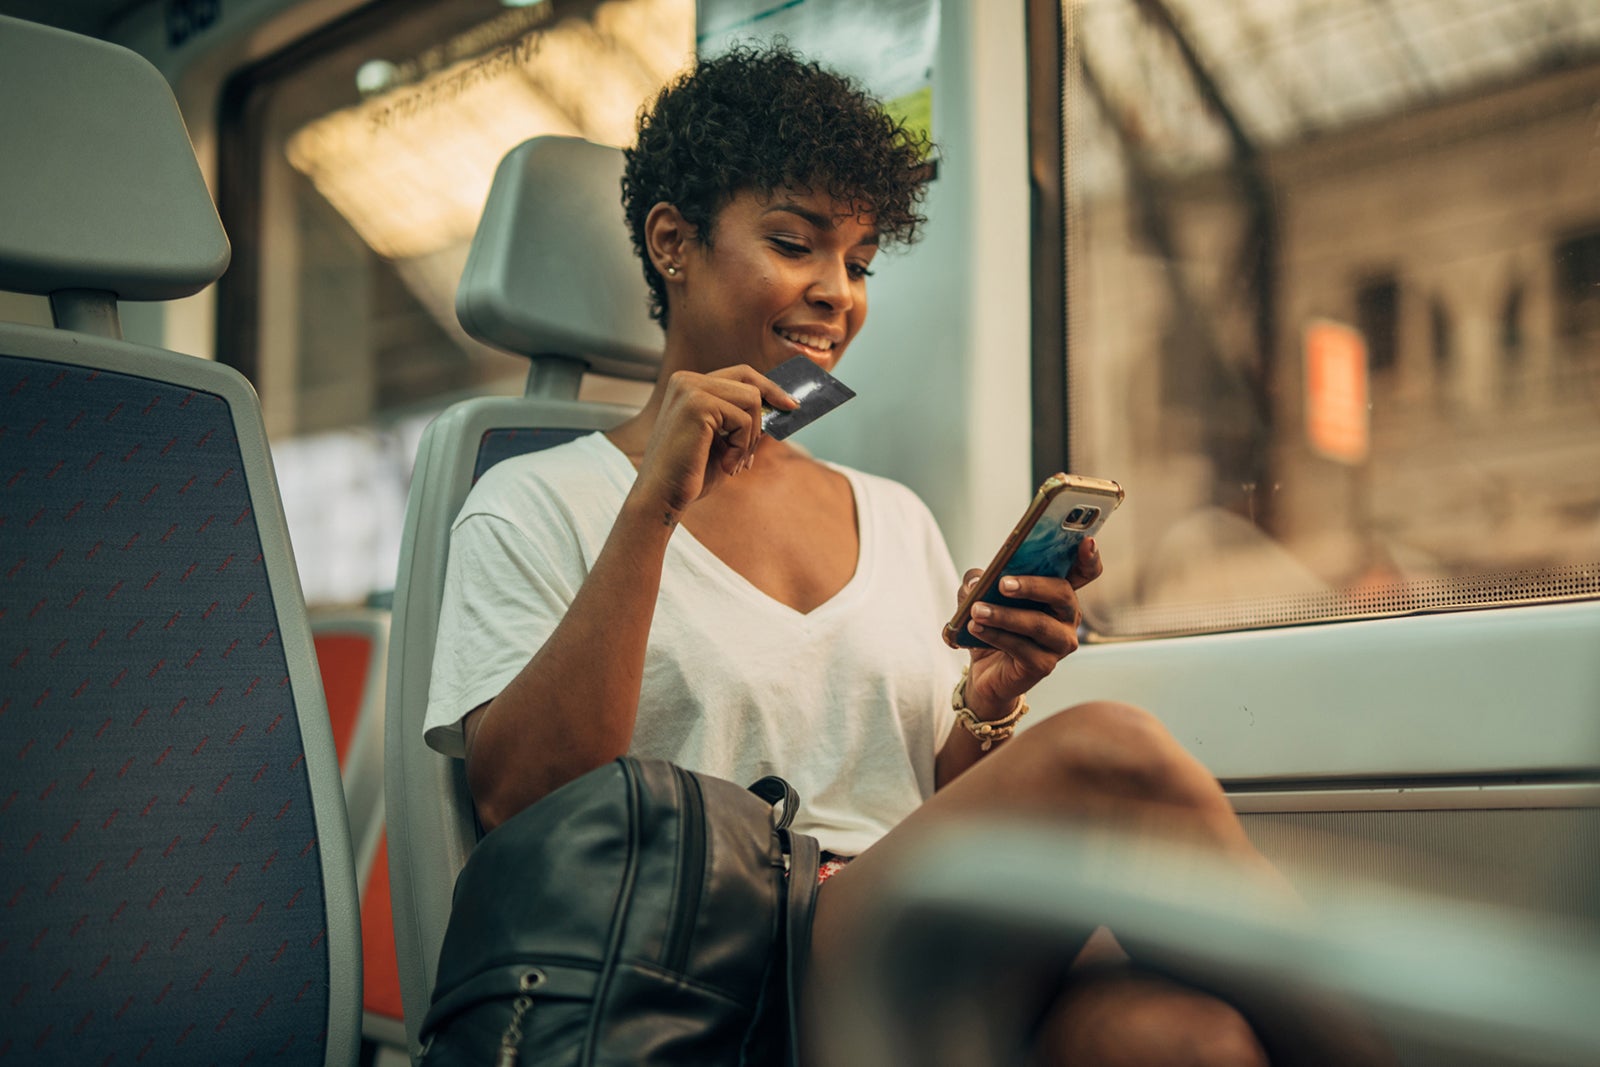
[[429, 840]]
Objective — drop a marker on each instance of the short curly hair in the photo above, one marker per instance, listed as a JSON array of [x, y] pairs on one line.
[[763, 118]]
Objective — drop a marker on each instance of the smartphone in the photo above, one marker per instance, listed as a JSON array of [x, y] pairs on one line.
[[1067, 509]]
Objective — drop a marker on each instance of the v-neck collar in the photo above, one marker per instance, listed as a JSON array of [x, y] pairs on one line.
[[709, 563]]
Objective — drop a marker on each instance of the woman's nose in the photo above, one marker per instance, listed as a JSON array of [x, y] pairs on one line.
[[831, 288]]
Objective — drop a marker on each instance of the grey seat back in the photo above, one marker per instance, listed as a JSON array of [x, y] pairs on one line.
[[177, 870], [551, 275], [1441, 980]]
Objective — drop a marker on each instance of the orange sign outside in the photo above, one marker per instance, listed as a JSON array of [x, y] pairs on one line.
[[1337, 410]]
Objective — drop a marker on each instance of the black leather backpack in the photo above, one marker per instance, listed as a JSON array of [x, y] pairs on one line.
[[640, 915]]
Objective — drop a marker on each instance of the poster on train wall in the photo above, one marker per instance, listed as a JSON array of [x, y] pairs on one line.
[[889, 46], [1337, 405]]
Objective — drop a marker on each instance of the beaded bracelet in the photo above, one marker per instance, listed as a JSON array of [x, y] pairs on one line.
[[987, 731]]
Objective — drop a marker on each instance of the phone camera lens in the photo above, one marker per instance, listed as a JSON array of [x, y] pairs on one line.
[[1079, 517]]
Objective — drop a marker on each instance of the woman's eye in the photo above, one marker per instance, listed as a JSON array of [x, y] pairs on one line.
[[859, 271], [789, 248]]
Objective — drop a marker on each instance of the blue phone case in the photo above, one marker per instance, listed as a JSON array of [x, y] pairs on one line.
[[1049, 546]]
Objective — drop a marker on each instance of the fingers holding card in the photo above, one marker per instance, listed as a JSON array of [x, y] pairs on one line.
[[818, 392]]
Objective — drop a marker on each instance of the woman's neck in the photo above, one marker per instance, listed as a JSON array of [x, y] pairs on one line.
[[676, 355]]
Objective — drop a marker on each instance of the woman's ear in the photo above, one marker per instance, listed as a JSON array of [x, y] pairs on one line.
[[667, 235]]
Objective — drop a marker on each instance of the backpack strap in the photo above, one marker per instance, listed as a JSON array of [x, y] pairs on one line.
[[801, 899], [775, 791], [804, 858]]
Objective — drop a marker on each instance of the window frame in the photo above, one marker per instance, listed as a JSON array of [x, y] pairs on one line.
[[1047, 179]]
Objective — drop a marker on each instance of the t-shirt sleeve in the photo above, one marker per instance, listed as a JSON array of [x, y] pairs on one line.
[[505, 591]]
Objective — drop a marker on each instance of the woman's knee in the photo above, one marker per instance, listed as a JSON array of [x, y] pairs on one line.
[[1223, 1038], [1129, 1019], [1122, 750]]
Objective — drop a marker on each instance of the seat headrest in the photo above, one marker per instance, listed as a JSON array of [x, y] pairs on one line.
[[99, 186], [552, 271]]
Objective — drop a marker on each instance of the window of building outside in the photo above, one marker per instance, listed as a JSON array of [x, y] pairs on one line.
[[1511, 342], [354, 169], [1576, 264], [1377, 317], [1307, 244], [1442, 331]]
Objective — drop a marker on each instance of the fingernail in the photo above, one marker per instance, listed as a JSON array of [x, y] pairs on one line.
[[981, 611], [1089, 546], [1008, 585]]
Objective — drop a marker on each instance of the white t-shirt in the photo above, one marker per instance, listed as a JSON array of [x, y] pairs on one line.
[[849, 701]]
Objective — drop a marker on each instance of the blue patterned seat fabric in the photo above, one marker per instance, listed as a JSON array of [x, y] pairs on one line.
[[498, 445], [159, 869]]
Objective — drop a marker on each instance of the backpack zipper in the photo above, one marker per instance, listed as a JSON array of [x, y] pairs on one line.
[[691, 873], [511, 1040]]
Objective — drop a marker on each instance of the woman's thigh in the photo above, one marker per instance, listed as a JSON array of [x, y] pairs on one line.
[[1104, 765]]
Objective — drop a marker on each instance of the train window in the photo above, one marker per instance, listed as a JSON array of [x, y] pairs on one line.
[[1329, 278], [353, 168]]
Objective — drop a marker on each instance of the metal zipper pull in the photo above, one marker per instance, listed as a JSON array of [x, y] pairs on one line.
[[519, 1009]]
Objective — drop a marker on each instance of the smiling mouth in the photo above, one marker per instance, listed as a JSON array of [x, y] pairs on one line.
[[814, 342]]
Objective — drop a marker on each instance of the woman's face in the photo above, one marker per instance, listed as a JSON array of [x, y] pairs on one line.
[[785, 276]]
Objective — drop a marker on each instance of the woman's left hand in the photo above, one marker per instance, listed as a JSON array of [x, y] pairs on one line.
[[1028, 642]]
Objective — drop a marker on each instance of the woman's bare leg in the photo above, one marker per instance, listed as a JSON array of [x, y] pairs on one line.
[[1104, 765], [1120, 1016]]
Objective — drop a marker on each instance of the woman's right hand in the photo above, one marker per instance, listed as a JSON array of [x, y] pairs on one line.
[[706, 431]]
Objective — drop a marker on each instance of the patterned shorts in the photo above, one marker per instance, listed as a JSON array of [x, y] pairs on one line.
[[830, 866]]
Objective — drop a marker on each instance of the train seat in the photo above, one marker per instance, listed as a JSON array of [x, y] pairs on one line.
[[383, 1021], [352, 647], [550, 275], [177, 868], [1442, 981]]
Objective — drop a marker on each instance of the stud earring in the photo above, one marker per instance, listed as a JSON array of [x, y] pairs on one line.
[[672, 269]]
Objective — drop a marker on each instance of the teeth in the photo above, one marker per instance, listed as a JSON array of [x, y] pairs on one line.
[[821, 344]]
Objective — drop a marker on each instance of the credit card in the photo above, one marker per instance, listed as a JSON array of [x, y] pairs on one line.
[[818, 392]]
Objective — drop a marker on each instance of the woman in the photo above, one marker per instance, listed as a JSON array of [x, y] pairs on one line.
[[791, 625]]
